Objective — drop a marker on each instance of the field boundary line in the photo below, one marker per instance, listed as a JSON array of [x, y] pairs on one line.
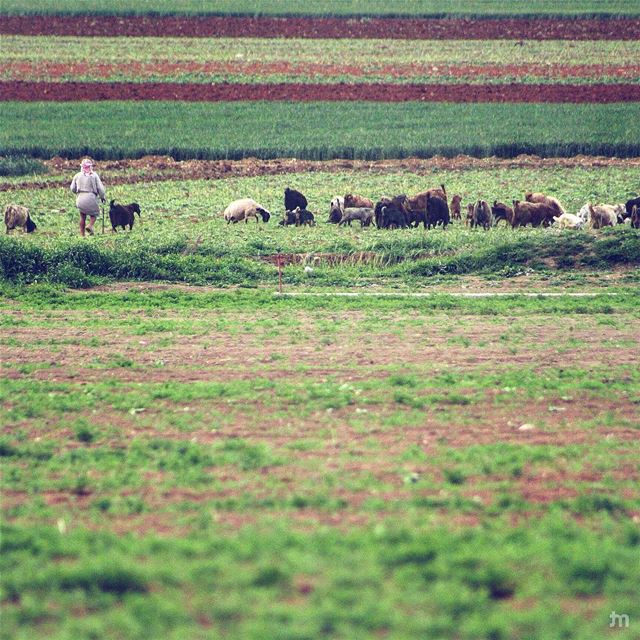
[[455, 294]]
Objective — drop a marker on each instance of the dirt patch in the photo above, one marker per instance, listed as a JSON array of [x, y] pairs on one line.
[[160, 168], [329, 28], [137, 71], [24, 91]]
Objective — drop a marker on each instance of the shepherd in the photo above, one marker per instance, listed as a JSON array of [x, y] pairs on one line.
[[88, 187]]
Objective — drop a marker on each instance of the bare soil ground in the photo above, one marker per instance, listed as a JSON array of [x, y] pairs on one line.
[[157, 168], [330, 28], [25, 91]]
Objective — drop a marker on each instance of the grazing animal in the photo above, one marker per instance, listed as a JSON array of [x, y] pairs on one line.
[[501, 211], [298, 217], [392, 217], [244, 209], [468, 221], [352, 201], [602, 215], [293, 199], [482, 216], [17, 217], [568, 221], [635, 217], [583, 214], [122, 215], [629, 204], [398, 215], [419, 201], [550, 201], [455, 207], [364, 214], [437, 212], [335, 210], [533, 213]]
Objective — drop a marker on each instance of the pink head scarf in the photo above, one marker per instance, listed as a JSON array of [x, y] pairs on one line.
[[87, 166]]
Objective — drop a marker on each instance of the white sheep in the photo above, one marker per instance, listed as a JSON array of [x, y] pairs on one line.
[[568, 221], [244, 209]]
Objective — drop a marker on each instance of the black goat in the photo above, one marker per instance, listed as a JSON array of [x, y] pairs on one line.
[[392, 218], [122, 215], [437, 212], [298, 217], [293, 199]]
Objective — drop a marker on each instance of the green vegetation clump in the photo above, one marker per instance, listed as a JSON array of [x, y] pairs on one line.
[[20, 166]]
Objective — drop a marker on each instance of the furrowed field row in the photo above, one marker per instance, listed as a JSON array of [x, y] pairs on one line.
[[325, 28], [364, 56], [318, 73], [26, 91], [282, 129], [326, 7]]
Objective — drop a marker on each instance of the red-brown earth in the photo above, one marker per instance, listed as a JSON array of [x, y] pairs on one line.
[[49, 70], [306, 92], [330, 28], [160, 168]]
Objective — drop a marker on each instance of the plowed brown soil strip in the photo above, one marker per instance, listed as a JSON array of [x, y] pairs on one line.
[[301, 92], [388, 28]]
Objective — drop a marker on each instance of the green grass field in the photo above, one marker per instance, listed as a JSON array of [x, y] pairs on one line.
[[328, 7], [431, 434], [182, 236], [316, 130], [191, 463]]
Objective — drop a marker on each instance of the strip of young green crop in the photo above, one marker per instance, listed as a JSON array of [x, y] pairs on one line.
[[295, 60], [410, 8], [316, 130]]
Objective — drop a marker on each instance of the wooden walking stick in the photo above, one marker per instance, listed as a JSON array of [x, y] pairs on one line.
[[102, 209]]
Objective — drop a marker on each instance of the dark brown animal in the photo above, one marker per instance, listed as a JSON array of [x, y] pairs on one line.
[[533, 213], [437, 212], [419, 201], [293, 199], [455, 207], [122, 215], [549, 201], [354, 201], [501, 211], [629, 204], [635, 217], [469, 217]]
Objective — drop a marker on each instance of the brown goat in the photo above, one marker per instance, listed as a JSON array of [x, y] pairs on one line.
[[550, 201], [354, 201], [455, 207], [533, 213], [419, 201]]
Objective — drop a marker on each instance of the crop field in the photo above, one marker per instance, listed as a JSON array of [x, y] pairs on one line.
[[347, 8], [257, 431]]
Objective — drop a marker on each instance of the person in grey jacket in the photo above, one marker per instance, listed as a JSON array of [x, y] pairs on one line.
[[88, 187]]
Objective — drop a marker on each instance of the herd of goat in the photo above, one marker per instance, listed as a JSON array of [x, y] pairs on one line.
[[431, 208]]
